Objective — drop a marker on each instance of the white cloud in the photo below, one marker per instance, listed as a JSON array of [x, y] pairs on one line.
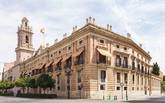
[[143, 19]]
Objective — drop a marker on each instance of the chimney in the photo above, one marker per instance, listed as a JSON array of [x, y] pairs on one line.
[[140, 44], [47, 44], [129, 35], [74, 28], [65, 35], [93, 20], [56, 40], [90, 20], [109, 27], [87, 21]]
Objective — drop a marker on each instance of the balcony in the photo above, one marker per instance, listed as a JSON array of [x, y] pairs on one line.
[[121, 50], [122, 66]]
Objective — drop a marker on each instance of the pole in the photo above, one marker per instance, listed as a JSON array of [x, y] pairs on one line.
[[43, 37], [126, 91]]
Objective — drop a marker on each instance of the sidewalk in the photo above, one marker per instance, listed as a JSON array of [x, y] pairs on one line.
[[143, 97]]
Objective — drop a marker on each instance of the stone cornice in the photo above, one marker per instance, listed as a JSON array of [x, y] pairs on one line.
[[91, 28]]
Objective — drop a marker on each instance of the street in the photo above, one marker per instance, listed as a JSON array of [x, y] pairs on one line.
[[27, 100]]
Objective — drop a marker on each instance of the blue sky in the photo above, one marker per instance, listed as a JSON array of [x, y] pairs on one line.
[[144, 19]]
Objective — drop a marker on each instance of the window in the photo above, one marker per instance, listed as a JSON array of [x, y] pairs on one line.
[[102, 59], [117, 88], [80, 42], [125, 62], [27, 39], [25, 24], [79, 76], [125, 88], [138, 79], [117, 46], [138, 67], [133, 88], [118, 77], [142, 69], [125, 48], [102, 87], [69, 48], [118, 61], [58, 82], [103, 75], [133, 79], [132, 51], [80, 59], [133, 65], [142, 81], [102, 41], [59, 52], [125, 78]]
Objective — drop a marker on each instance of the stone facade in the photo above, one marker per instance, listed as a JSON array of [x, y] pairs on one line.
[[93, 62]]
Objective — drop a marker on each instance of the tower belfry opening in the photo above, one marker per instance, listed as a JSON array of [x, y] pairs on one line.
[[24, 47]]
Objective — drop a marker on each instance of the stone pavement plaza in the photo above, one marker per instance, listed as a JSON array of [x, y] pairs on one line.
[[27, 100]]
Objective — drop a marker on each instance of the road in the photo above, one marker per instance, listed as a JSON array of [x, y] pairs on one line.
[[27, 100]]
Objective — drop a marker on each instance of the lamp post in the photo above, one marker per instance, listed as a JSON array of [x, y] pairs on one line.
[[126, 90], [121, 85], [43, 36], [68, 74], [80, 88]]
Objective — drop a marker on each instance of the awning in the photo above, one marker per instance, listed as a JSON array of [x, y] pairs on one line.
[[65, 58], [78, 53], [50, 62], [104, 52], [56, 61]]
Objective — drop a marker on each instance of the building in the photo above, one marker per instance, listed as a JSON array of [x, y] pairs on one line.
[[93, 62], [7, 71]]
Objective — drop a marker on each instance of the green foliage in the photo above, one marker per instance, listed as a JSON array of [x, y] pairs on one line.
[[32, 83], [156, 69], [164, 78], [21, 82], [45, 81], [6, 85], [163, 86], [43, 96], [6, 94]]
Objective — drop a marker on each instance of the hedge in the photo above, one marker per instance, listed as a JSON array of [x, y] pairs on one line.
[[44, 96], [6, 94]]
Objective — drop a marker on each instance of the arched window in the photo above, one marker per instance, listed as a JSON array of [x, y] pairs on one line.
[[118, 61], [27, 39], [125, 62], [25, 24]]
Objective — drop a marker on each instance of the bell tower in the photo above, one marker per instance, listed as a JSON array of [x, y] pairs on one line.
[[24, 47]]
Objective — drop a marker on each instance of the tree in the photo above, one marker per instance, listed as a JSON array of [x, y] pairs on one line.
[[162, 86], [164, 78], [45, 81], [33, 83], [156, 69], [22, 82], [5, 85]]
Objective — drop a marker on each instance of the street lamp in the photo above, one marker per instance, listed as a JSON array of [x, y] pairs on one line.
[[126, 90], [68, 74], [80, 86], [121, 85]]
